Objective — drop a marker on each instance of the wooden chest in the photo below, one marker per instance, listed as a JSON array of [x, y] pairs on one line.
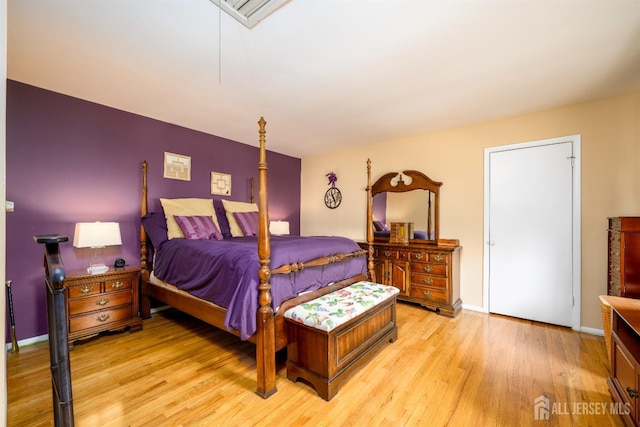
[[326, 358]]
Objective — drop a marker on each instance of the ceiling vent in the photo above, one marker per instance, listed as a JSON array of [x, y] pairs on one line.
[[249, 12]]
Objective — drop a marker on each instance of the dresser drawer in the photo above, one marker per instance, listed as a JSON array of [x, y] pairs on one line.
[[385, 253], [84, 290], [624, 374], [422, 292], [433, 269], [438, 257], [99, 318], [107, 300], [419, 256], [425, 280]]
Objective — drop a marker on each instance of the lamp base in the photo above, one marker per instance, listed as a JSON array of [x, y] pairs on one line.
[[97, 269]]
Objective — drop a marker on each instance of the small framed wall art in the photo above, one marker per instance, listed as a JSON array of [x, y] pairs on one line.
[[220, 183], [177, 166]]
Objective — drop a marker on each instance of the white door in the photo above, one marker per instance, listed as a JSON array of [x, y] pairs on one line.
[[530, 233]]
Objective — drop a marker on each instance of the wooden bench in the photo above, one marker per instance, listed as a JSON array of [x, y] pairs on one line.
[[331, 336]]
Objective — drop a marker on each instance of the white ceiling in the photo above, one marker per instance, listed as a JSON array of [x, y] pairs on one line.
[[328, 74]]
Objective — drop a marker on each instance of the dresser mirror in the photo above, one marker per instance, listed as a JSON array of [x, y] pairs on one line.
[[406, 197]]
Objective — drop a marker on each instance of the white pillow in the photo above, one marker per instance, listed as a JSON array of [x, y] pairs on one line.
[[230, 207], [186, 207]]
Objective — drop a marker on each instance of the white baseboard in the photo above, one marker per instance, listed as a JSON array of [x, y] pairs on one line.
[[592, 331], [474, 308], [157, 309], [41, 338], [29, 341]]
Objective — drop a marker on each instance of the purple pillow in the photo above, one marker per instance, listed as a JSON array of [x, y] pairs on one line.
[[223, 222], [380, 226], [198, 227], [155, 224], [248, 222]]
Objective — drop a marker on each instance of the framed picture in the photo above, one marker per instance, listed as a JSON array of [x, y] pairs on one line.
[[220, 183], [177, 166]]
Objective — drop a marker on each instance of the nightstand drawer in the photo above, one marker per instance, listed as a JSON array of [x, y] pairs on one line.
[[103, 302], [84, 290], [117, 284], [113, 299], [99, 318]]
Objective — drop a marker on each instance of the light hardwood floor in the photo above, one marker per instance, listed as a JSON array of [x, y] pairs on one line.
[[476, 369]]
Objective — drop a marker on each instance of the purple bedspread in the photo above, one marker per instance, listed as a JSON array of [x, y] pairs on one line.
[[226, 271]]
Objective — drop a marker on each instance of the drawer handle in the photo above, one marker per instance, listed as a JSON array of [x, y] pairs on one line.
[[428, 294], [117, 285], [428, 281], [103, 318], [428, 268], [632, 393], [86, 289], [438, 257], [103, 301], [387, 254], [418, 256]]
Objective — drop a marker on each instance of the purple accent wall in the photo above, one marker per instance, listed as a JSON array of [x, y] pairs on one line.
[[70, 160]]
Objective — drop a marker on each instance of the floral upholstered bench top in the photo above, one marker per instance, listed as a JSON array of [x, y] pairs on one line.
[[337, 308]]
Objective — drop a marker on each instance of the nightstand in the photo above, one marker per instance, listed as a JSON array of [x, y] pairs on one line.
[[102, 302]]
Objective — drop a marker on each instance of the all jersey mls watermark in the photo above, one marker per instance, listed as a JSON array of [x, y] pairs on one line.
[[543, 408]]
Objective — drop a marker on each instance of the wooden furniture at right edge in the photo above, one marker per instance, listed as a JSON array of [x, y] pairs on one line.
[[624, 257], [426, 271], [624, 380]]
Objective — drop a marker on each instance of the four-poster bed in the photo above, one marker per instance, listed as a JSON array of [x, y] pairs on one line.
[[270, 333]]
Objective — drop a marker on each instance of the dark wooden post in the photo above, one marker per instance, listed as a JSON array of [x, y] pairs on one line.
[[370, 269], [144, 249], [265, 333], [58, 330]]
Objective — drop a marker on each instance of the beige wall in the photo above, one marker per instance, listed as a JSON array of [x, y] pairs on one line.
[[610, 133]]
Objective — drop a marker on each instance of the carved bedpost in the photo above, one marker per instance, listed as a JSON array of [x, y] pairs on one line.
[[265, 333], [144, 208], [370, 269]]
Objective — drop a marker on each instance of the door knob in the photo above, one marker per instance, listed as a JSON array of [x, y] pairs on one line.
[[492, 243]]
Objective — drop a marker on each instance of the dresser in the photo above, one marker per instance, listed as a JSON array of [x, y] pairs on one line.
[[102, 302], [624, 382], [425, 273], [624, 257]]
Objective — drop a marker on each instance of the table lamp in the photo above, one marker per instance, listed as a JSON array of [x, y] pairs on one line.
[[279, 228], [97, 235]]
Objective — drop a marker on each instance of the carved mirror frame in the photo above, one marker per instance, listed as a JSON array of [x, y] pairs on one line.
[[393, 182]]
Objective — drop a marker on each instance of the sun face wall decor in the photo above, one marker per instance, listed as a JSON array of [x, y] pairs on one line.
[[333, 196]]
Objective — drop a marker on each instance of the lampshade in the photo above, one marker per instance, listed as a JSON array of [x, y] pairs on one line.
[[279, 227], [97, 234]]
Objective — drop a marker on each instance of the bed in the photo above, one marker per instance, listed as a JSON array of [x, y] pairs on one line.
[[259, 277]]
